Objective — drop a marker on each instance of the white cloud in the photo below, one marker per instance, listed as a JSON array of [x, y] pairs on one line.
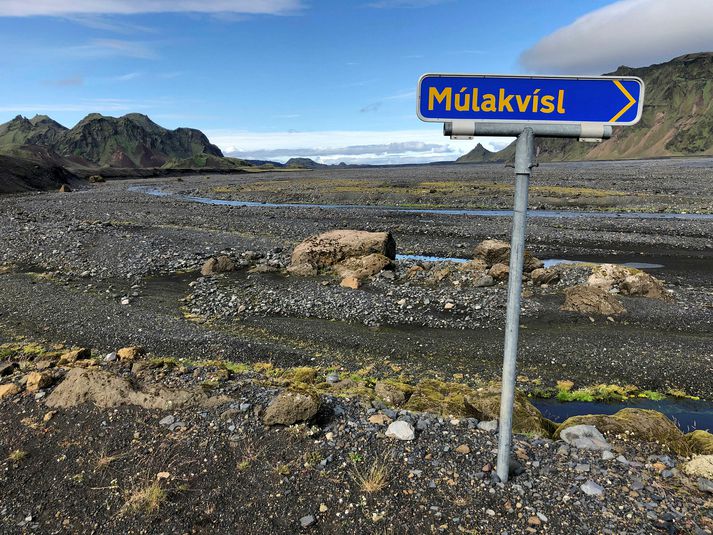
[[98, 48], [356, 147], [98, 105], [25, 8], [627, 32]]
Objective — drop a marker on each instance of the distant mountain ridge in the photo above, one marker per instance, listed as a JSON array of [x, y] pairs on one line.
[[130, 141], [677, 119]]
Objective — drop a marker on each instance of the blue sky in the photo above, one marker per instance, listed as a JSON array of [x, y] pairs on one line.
[[332, 80]]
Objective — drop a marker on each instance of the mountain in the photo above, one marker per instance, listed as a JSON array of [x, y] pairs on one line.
[[303, 163], [677, 118], [132, 141], [481, 155]]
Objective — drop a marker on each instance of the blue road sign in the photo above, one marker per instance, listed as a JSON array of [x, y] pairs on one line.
[[534, 99]]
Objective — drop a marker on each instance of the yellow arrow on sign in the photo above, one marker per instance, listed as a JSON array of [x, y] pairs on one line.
[[629, 104]]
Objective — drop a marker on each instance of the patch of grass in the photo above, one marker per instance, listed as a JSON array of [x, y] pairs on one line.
[[17, 456], [680, 394], [282, 469], [355, 457], [602, 392], [373, 479], [146, 499], [651, 394]]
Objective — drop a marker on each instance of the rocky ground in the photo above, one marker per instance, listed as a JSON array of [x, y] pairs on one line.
[[107, 267], [132, 444]]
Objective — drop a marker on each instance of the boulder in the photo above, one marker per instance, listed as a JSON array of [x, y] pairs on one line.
[[220, 264], [643, 424], [8, 390], [38, 381], [291, 407], [484, 404], [390, 393], [498, 252], [700, 442], [64, 188], [401, 430], [499, 272], [644, 285], [629, 281], [591, 300], [483, 281], [330, 248], [362, 267], [130, 353], [585, 437], [699, 466], [73, 356], [542, 276]]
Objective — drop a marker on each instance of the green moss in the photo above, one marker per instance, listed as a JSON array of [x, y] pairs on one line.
[[650, 394], [700, 442], [440, 397]]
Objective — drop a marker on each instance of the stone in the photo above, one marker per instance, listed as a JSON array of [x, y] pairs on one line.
[[73, 356], [449, 306], [463, 449], [607, 455], [483, 281], [499, 272], [700, 442], [542, 276], [213, 266], [167, 420], [290, 407], [38, 381], [489, 426], [362, 267], [585, 299], [705, 485], [699, 466], [64, 188], [130, 353], [534, 521], [629, 281], [379, 419], [401, 430], [585, 437], [350, 282], [484, 404], [111, 357], [7, 368], [498, 252], [330, 248], [390, 393], [8, 390], [590, 488], [643, 424], [307, 521], [332, 378]]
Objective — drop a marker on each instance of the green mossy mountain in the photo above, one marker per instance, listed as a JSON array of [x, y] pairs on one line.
[[130, 141], [677, 119]]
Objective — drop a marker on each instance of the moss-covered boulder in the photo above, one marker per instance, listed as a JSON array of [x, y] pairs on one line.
[[700, 442], [484, 404], [439, 397], [643, 424]]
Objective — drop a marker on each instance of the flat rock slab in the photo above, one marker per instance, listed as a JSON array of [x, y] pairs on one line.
[[401, 430], [585, 437]]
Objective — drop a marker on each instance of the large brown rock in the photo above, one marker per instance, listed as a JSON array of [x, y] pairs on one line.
[[629, 281], [391, 393], [333, 247], [591, 300], [220, 264], [362, 267], [498, 252], [76, 354], [291, 407], [9, 389], [542, 276], [643, 424], [38, 381], [700, 442], [130, 353], [499, 272]]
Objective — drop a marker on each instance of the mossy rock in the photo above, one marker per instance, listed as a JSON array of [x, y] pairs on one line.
[[700, 442], [643, 424], [299, 376], [526, 419], [439, 397]]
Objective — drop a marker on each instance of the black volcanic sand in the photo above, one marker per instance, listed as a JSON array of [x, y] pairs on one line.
[[70, 259]]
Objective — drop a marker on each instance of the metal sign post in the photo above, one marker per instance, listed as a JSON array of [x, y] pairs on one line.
[[525, 106], [524, 161]]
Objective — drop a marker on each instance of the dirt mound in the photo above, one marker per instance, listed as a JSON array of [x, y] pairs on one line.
[[107, 390], [591, 300]]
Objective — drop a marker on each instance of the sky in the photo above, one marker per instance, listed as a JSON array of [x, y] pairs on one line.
[[332, 80]]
